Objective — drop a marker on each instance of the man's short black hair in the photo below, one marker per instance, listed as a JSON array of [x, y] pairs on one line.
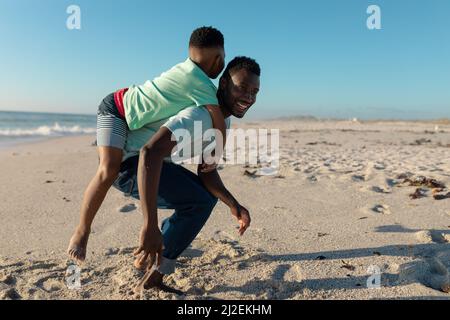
[[241, 62], [206, 37]]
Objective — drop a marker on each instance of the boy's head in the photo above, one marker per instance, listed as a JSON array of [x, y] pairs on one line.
[[239, 85], [206, 49]]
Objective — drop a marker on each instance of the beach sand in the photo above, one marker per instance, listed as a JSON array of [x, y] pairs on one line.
[[342, 206]]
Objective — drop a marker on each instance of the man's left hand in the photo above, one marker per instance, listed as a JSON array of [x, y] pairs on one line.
[[243, 217]]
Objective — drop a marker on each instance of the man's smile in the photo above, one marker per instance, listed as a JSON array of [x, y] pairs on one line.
[[242, 106]]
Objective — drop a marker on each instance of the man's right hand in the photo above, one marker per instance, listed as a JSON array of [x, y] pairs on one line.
[[151, 246], [205, 168]]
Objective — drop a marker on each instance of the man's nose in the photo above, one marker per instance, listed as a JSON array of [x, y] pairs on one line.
[[248, 97]]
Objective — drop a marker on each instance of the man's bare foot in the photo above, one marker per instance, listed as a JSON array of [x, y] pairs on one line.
[[78, 244], [151, 279], [154, 279]]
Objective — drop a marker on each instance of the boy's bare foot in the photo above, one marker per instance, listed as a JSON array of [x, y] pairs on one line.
[[78, 244]]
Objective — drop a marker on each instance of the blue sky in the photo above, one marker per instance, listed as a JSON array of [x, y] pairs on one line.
[[317, 57]]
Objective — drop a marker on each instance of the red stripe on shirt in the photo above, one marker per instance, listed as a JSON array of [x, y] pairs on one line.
[[118, 99]]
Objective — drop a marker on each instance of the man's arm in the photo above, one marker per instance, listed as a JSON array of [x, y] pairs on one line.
[[213, 183], [149, 171], [218, 122]]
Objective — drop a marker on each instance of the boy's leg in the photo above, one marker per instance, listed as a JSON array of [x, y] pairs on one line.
[[110, 159], [111, 137]]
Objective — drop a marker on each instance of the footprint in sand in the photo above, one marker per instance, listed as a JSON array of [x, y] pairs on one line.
[[391, 182], [381, 189], [293, 274], [220, 235], [112, 251], [7, 283], [424, 236], [8, 292], [432, 236], [358, 178], [366, 176], [128, 208], [126, 274], [438, 277], [379, 166], [7, 279], [280, 281], [432, 272], [381, 208], [50, 284]]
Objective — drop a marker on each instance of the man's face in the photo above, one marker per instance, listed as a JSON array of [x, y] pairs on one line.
[[239, 91]]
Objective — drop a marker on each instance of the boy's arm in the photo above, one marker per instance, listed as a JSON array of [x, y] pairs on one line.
[[149, 170], [218, 122], [213, 183]]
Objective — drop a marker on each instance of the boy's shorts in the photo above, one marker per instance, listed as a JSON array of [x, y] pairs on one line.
[[111, 126]]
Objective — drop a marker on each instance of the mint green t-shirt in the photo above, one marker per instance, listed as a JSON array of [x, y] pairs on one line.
[[186, 119], [185, 85]]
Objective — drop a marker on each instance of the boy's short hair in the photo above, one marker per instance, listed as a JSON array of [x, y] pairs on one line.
[[206, 37], [242, 62]]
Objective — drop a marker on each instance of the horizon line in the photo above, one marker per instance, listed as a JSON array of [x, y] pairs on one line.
[[264, 118]]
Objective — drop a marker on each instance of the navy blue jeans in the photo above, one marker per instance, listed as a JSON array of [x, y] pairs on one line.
[[181, 190]]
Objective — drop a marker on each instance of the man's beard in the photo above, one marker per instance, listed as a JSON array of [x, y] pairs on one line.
[[228, 105], [222, 102], [233, 112]]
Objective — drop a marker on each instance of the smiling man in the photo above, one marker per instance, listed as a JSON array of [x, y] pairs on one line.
[[147, 174]]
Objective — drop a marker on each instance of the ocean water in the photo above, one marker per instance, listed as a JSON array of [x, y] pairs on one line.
[[18, 127]]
